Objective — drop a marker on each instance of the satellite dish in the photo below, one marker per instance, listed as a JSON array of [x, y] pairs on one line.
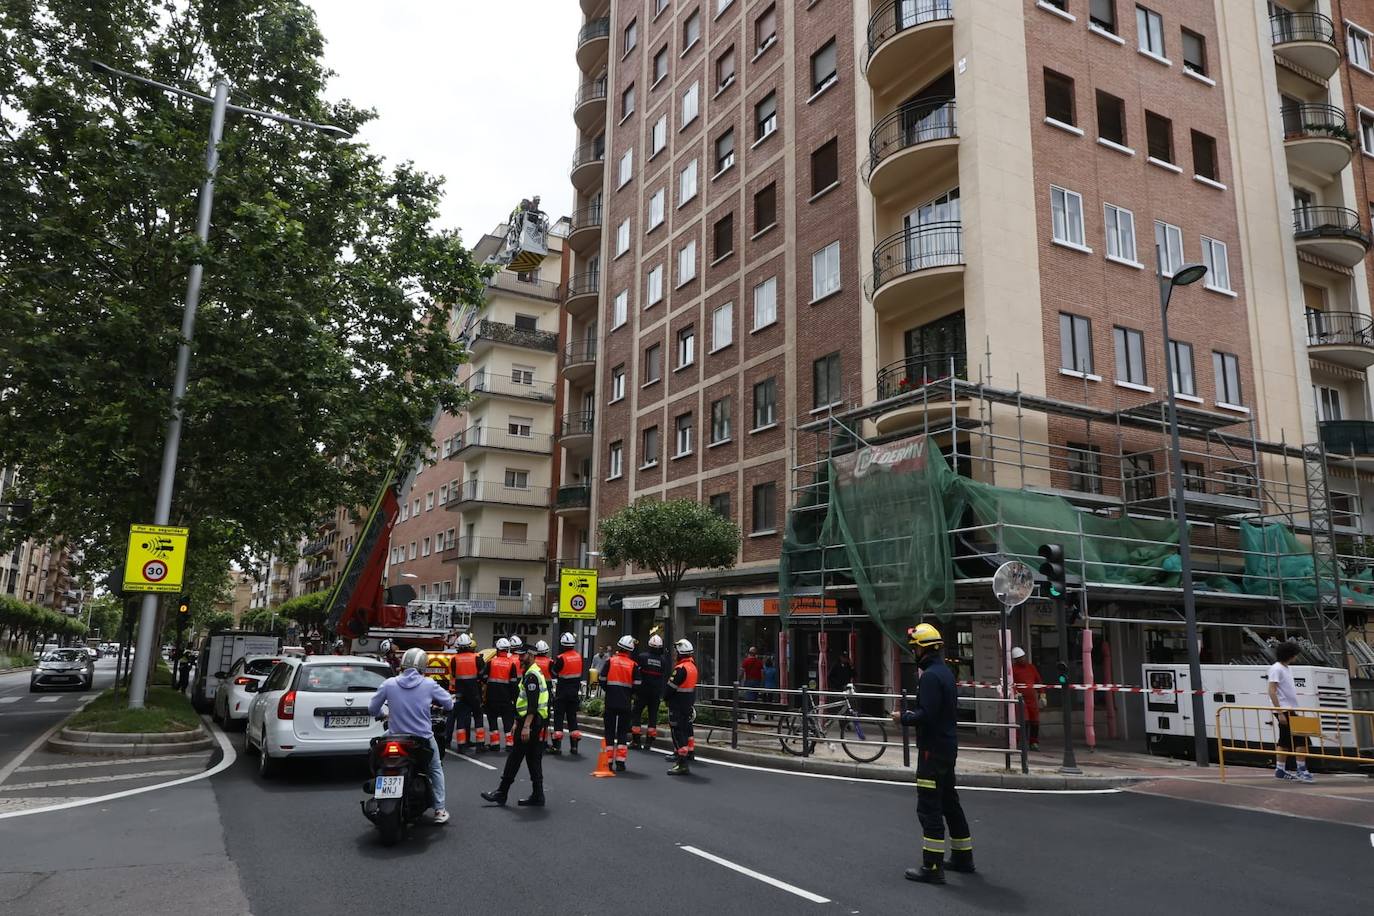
[[1013, 583]]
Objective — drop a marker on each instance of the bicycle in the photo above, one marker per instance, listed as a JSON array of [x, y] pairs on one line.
[[823, 718]]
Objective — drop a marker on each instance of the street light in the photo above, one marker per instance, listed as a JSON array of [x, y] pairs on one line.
[[1186, 275]]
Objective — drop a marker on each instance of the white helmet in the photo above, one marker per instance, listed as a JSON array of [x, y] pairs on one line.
[[655, 642], [503, 643], [1018, 652], [464, 641], [515, 643], [415, 658], [683, 647], [627, 642], [384, 646], [541, 648], [567, 639]]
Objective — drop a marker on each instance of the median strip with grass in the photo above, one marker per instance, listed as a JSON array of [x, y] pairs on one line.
[[165, 710]]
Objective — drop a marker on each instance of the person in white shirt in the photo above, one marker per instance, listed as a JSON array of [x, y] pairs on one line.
[[1283, 693]]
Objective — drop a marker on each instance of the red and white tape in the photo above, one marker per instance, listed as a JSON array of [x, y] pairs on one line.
[[1098, 688]]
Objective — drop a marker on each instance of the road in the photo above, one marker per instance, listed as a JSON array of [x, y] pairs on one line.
[[24, 716]]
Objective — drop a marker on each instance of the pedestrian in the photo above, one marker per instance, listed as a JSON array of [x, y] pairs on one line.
[[531, 708], [184, 671], [937, 803], [1283, 693], [681, 691], [619, 675], [567, 668], [770, 679], [503, 672], [751, 673], [1024, 677], [648, 694], [468, 669], [842, 673], [408, 698]]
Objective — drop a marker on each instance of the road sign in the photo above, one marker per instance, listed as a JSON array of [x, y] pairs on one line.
[[577, 594], [156, 559], [1013, 583]]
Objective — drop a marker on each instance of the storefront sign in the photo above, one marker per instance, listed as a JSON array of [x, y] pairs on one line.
[[711, 607], [802, 606], [900, 457]]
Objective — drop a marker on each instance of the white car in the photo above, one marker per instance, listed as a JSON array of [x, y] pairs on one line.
[[314, 707], [237, 687]]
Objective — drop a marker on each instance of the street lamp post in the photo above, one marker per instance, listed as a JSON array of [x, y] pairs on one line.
[[1184, 276]]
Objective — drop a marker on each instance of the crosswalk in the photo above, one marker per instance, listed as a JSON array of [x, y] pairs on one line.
[[29, 699]]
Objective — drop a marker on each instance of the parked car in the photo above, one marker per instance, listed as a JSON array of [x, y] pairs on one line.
[[314, 707], [70, 668], [45, 649], [237, 686], [92, 652]]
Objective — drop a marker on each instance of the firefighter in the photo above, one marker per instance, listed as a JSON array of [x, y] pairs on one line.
[[620, 675], [468, 669], [541, 658], [531, 707], [681, 692], [502, 673], [937, 803], [649, 693], [567, 668]]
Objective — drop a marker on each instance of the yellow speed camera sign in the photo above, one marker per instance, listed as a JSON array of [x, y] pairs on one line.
[[156, 559], [577, 594]]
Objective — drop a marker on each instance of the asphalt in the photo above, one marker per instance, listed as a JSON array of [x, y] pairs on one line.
[[24, 716]]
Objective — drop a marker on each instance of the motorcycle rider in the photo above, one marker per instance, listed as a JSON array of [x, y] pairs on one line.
[[648, 694], [408, 697], [503, 671], [468, 668], [531, 706], [682, 698], [567, 667], [620, 675]]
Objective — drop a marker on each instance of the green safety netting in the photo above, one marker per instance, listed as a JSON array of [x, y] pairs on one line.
[[1277, 563]]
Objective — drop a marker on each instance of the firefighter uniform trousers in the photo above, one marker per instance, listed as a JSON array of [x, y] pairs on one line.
[[680, 705], [621, 674], [502, 676], [467, 707], [647, 696], [937, 804], [567, 698]]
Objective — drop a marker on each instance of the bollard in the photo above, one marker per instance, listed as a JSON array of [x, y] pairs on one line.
[[906, 734], [734, 715], [1021, 730], [805, 721]]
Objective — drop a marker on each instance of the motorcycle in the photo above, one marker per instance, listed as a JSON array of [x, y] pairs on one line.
[[399, 785]]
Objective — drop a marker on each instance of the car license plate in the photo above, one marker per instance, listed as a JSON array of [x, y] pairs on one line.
[[389, 786], [331, 721]]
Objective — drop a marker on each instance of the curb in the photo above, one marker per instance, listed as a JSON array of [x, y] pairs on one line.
[[133, 744], [16, 670]]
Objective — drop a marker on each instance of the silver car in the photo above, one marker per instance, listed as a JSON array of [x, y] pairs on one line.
[[70, 668], [314, 707], [238, 686]]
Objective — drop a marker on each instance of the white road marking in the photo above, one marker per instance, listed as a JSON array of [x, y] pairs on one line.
[[757, 876], [109, 761], [26, 753], [485, 766], [9, 699], [84, 780], [48, 699]]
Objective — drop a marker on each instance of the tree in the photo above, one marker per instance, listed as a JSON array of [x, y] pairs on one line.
[[323, 339], [669, 537], [308, 611]]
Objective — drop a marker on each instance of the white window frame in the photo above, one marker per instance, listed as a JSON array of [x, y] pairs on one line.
[[686, 347], [622, 237], [1177, 349], [627, 167], [1149, 27], [1119, 226], [655, 287], [766, 303], [617, 384], [627, 102], [516, 479], [1220, 361], [1357, 46], [722, 317], [631, 37], [1168, 248], [687, 183], [615, 460], [1218, 277], [687, 263], [1366, 122], [658, 136], [620, 309], [648, 458], [720, 421], [691, 104], [690, 41], [1066, 218], [683, 435], [825, 271], [657, 208], [772, 419]]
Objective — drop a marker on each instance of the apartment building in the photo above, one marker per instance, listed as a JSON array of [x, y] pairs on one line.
[[323, 556], [274, 581]]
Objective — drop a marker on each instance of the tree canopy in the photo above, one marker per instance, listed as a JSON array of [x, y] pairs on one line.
[[669, 537]]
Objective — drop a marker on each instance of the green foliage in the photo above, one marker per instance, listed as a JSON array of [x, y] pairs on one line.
[[107, 617], [322, 342], [166, 710], [217, 622], [308, 611], [593, 707], [34, 621], [669, 537]]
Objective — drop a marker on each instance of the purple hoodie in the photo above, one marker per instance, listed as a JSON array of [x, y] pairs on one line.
[[408, 697]]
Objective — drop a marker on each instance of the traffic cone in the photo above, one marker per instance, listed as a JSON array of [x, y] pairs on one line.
[[603, 763]]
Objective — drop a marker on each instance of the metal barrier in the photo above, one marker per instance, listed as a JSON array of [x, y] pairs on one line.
[[1318, 732]]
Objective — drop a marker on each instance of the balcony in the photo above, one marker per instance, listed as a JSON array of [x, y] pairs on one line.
[[1348, 438], [593, 40], [910, 144], [585, 233], [916, 266], [574, 500], [497, 332], [1316, 137], [587, 164], [478, 438], [315, 547], [496, 548], [589, 105], [575, 432], [1307, 40], [512, 282], [487, 384], [1332, 233], [1346, 338], [497, 603], [581, 292], [914, 373], [496, 493], [905, 33], [592, 7], [579, 359]]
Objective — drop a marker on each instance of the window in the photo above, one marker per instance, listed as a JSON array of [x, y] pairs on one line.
[[722, 326], [429, 501], [1085, 468], [1102, 13], [766, 303], [687, 263], [517, 479], [825, 166], [615, 460], [424, 547], [522, 375], [720, 421], [526, 322], [1366, 131], [405, 511], [1075, 343], [1194, 477], [631, 35], [686, 347], [510, 588], [660, 64], [617, 383], [413, 551], [720, 504], [415, 509], [653, 364], [1149, 27], [627, 102], [655, 286], [725, 68], [725, 150], [765, 403], [627, 166], [722, 5], [658, 136], [824, 67], [648, 447], [683, 427], [520, 426], [825, 271], [443, 496], [1066, 210], [691, 30], [1181, 368], [1120, 224], [620, 309], [1130, 355], [765, 208], [660, 6], [766, 116], [656, 204], [1111, 118], [1328, 402], [687, 183], [825, 381], [766, 29], [1357, 46], [723, 236], [1194, 52], [622, 238], [1218, 269], [1159, 137], [1168, 247], [691, 104], [1204, 156], [1226, 367], [1059, 98], [765, 499], [1138, 473]]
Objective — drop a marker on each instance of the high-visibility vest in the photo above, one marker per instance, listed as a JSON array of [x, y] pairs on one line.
[[571, 669], [689, 682], [522, 703], [465, 666], [621, 671], [503, 670], [544, 663]]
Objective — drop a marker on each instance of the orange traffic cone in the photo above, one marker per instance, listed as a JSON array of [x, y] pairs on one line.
[[603, 763]]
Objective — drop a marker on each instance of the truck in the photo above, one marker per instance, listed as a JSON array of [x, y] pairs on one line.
[[218, 653]]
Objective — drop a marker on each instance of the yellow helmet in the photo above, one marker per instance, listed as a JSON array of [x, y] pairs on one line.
[[923, 635]]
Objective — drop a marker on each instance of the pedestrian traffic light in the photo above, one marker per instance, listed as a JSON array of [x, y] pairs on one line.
[[183, 606], [1063, 673], [1053, 568]]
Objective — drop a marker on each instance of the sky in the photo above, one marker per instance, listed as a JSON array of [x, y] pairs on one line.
[[479, 93]]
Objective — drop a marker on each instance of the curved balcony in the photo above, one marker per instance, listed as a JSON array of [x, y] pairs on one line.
[[473, 493], [491, 384], [1308, 40], [904, 32], [915, 266], [589, 105], [1346, 338], [581, 291], [1348, 439], [912, 374], [592, 7], [914, 141], [579, 359], [593, 39], [576, 431], [588, 163], [1333, 233], [1316, 137], [585, 233], [496, 548], [574, 500]]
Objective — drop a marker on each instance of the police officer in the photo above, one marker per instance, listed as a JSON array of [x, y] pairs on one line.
[[649, 693], [937, 803], [468, 669], [620, 675], [682, 697], [531, 710], [502, 674], [567, 668]]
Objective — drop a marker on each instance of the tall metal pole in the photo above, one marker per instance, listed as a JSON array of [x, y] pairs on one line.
[[1185, 550], [143, 656], [1070, 763]]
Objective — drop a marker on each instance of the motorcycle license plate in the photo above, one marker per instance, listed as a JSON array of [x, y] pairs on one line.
[[331, 721], [389, 786]]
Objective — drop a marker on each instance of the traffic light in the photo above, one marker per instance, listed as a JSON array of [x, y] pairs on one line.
[[183, 606], [1053, 568]]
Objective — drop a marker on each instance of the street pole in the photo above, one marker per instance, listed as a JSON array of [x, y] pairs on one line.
[[1070, 764]]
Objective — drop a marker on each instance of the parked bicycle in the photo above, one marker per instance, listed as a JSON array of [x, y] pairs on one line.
[[864, 739]]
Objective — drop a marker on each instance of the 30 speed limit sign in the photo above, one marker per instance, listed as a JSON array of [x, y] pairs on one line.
[[577, 594], [156, 559]]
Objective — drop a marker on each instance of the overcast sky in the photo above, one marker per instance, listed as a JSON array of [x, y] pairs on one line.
[[477, 92]]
